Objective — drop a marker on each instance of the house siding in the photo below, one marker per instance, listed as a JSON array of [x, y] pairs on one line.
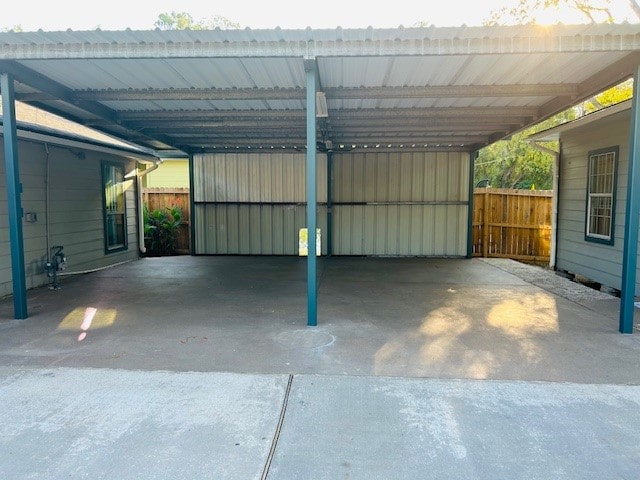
[[598, 262], [75, 211], [170, 174]]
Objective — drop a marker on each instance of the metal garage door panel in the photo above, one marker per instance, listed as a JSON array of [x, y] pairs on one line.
[[399, 204], [224, 229], [400, 230], [401, 177], [255, 177]]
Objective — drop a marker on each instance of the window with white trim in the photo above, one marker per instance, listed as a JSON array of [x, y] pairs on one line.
[[601, 195]]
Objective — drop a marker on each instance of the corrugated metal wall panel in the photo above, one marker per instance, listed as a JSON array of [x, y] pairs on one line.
[[252, 229], [409, 203], [401, 177], [400, 230], [413, 203], [253, 203], [255, 177]]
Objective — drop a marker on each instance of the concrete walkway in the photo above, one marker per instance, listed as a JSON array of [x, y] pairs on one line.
[[420, 368], [106, 424]]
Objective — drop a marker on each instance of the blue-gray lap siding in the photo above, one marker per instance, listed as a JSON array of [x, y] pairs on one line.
[[75, 210], [599, 262]]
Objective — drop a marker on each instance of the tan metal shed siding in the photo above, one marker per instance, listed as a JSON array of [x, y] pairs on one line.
[[255, 177], [253, 203], [413, 203]]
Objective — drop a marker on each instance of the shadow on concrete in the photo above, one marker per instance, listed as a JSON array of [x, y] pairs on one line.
[[447, 318]]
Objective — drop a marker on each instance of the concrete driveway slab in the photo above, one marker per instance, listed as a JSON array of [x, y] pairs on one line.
[[418, 317], [394, 428], [114, 424]]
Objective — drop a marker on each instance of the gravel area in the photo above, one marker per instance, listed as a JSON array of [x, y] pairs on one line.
[[548, 280]]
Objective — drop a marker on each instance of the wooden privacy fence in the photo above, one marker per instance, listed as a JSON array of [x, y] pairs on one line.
[[506, 223], [163, 198], [512, 223]]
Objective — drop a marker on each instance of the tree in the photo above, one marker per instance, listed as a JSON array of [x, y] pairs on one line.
[[617, 94], [184, 21], [15, 28], [528, 11], [514, 163]]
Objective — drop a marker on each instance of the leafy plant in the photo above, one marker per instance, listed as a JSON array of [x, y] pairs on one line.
[[161, 230]]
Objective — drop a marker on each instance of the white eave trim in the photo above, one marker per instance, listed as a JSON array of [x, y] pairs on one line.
[[143, 157]]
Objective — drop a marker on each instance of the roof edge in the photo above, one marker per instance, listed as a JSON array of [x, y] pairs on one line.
[[553, 133]]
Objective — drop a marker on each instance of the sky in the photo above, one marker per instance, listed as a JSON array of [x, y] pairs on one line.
[[32, 15]]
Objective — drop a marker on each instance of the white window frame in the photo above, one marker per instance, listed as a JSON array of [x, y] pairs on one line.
[[609, 154]]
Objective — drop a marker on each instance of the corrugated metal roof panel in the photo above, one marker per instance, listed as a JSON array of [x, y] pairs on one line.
[[368, 75], [337, 34]]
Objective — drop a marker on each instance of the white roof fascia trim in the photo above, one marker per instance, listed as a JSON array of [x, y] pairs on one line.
[[44, 138]]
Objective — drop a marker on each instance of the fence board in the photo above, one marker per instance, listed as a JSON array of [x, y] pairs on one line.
[[162, 198], [512, 223], [506, 223]]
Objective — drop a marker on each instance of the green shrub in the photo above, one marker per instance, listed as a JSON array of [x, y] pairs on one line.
[[161, 230]]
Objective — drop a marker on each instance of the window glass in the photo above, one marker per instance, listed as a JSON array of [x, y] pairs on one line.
[[114, 207]]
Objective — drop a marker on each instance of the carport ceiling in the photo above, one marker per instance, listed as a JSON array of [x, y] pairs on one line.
[[425, 88]]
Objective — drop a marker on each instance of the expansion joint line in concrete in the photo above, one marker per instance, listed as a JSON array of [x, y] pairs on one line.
[[276, 436]]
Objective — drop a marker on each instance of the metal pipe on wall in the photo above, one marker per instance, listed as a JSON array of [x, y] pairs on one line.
[[554, 201]]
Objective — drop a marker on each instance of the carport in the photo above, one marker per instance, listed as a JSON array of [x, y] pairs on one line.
[[415, 103]]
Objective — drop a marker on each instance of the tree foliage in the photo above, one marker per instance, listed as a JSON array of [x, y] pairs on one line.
[[161, 230], [529, 11], [514, 163], [15, 28], [185, 21]]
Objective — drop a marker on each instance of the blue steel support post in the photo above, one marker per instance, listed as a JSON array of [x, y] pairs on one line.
[[192, 208], [312, 289], [472, 161], [330, 203], [14, 192], [631, 220]]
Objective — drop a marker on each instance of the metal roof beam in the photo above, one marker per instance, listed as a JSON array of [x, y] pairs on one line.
[[439, 112], [260, 132], [614, 74], [209, 115], [196, 142], [130, 94], [333, 93], [385, 138], [347, 114], [451, 91], [479, 127], [56, 90], [64, 94]]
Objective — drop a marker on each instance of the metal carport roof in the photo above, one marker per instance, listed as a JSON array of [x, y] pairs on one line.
[[418, 88], [434, 88]]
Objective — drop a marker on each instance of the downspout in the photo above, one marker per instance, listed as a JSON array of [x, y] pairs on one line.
[[554, 199], [472, 160], [329, 203], [139, 175], [47, 201]]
